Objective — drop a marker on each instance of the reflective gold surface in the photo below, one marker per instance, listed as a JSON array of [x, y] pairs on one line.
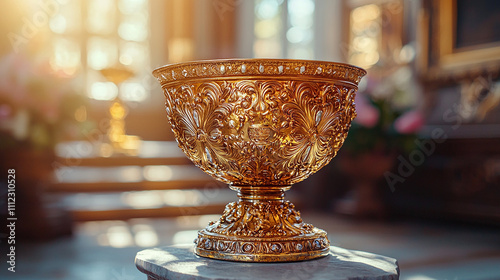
[[260, 125]]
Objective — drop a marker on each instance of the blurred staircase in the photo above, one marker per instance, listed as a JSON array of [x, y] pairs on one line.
[[159, 181]]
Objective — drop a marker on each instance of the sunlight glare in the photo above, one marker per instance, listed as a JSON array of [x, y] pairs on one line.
[[119, 237]]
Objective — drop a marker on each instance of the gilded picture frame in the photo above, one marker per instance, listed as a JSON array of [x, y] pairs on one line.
[[459, 39]]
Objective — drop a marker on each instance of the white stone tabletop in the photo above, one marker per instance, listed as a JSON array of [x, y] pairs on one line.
[[180, 263]]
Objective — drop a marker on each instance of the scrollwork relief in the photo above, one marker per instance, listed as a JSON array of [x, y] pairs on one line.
[[262, 247], [260, 219], [255, 132]]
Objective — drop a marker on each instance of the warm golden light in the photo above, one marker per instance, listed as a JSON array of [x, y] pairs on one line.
[[81, 114], [143, 199], [365, 35], [182, 197], [365, 13], [117, 111], [180, 49], [157, 172], [103, 91]]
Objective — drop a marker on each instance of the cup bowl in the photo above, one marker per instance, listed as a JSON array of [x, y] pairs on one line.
[[260, 122]]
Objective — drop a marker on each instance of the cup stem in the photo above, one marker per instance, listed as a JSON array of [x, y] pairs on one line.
[[261, 227], [260, 193]]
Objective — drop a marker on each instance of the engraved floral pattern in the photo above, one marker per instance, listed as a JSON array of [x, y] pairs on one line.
[[196, 117], [254, 132], [319, 126], [260, 219]]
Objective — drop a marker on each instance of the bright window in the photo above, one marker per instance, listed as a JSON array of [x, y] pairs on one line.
[[284, 28], [91, 35]]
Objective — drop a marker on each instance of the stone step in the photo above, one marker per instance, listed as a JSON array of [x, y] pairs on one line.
[[78, 179], [84, 153]]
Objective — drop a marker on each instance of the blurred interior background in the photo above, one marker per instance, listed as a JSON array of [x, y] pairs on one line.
[[99, 175]]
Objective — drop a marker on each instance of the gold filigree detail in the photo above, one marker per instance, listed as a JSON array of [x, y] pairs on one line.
[[237, 68], [260, 132], [313, 245], [260, 219], [260, 125]]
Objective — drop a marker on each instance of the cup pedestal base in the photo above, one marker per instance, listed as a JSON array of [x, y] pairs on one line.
[[248, 249], [255, 230]]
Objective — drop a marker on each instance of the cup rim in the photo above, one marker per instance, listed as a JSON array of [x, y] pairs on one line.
[[258, 67]]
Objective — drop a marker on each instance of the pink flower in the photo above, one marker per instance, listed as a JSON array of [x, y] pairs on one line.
[[32, 85], [15, 72], [409, 122], [5, 111], [367, 115]]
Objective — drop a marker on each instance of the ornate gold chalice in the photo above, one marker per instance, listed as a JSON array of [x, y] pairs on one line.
[[260, 125]]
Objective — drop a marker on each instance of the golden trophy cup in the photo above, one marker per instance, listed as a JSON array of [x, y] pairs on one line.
[[260, 125]]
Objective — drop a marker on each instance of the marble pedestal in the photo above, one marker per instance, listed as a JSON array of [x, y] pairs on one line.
[[180, 263]]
